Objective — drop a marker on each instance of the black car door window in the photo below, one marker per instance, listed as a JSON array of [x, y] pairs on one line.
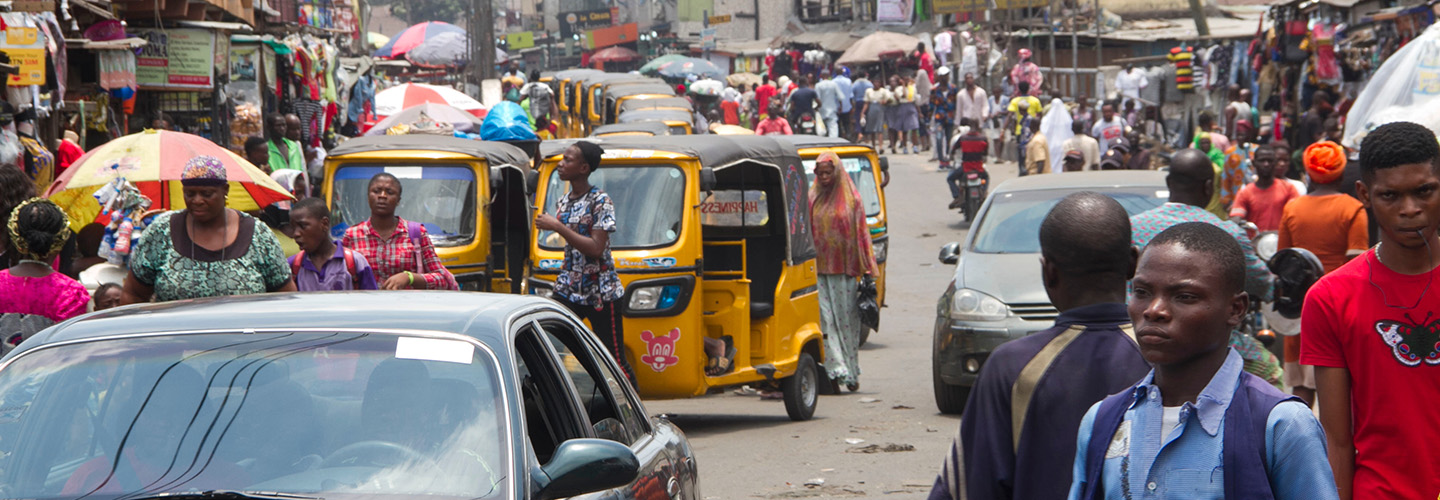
[[550, 414], [601, 390]]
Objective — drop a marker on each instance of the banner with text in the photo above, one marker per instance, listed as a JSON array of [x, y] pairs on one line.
[[572, 23], [176, 59]]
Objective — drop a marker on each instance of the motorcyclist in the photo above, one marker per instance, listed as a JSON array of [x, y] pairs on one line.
[[973, 146], [802, 101]]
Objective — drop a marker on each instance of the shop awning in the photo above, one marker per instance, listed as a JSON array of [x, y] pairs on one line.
[[749, 48], [833, 41]]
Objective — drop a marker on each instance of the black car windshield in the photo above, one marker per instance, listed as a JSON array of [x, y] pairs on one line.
[[442, 197], [1012, 222], [863, 174], [649, 204], [332, 415]]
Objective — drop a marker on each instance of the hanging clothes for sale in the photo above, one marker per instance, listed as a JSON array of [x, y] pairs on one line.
[[1322, 45], [1220, 60], [1183, 59]]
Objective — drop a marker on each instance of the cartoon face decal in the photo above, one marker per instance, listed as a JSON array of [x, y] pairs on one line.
[[660, 350], [1410, 341]]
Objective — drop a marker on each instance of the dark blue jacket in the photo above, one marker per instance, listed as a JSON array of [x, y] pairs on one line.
[[1065, 369]]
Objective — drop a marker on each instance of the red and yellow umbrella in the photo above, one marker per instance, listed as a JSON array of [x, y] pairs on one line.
[[153, 161]]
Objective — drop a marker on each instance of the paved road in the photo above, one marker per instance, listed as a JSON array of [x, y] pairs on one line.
[[748, 448]]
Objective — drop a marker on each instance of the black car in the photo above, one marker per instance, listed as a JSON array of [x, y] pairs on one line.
[[331, 395]]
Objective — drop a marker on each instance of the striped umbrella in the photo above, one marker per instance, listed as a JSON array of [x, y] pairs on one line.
[[399, 97], [153, 160], [413, 37]]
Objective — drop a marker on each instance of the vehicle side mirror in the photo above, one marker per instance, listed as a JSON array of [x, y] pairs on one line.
[[532, 181], [950, 253], [497, 180], [884, 164], [884, 171], [707, 180], [583, 466]]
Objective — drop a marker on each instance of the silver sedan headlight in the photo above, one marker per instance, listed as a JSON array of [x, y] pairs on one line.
[[971, 305]]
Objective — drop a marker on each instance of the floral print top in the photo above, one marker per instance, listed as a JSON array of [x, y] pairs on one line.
[[167, 259], [583, 280]]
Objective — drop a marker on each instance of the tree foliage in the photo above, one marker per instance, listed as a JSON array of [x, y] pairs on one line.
[[419, 11]]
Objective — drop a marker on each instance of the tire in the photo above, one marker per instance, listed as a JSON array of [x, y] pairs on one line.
[[950, 399], [971, 206], [802, 389]]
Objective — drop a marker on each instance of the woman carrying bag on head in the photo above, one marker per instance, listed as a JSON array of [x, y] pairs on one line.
[[843, 255]]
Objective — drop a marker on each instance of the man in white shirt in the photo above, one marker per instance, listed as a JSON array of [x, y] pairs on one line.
[[828, 93], [971, 102], [944, 43], [1110, 127], [1130, 81], [1085, 144]]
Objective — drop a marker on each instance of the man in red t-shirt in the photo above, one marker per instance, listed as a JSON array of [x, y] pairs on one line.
[[1371, 328], [1263, 201], [763, 95]]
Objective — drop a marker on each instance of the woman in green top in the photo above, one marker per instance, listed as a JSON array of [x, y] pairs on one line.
[[205, 250]]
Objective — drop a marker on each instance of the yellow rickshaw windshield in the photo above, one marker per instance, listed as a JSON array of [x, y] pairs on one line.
[[440, 196], [863, 174], [649, 204]]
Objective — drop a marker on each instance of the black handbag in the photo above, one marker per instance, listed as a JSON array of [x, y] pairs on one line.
[[868, 304]]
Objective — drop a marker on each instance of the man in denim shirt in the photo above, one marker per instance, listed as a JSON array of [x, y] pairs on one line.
[[1197, 426]]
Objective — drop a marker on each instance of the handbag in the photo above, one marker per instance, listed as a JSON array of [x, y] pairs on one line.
[[867, 303]]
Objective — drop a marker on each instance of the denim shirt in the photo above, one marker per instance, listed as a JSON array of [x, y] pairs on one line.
[[1185, 464]]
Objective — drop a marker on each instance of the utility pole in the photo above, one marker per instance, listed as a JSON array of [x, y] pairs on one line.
[[482, 41], [1198, 11]]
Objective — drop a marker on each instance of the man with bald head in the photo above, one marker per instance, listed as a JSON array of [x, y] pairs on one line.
[[1019, 430], [1191, 182]]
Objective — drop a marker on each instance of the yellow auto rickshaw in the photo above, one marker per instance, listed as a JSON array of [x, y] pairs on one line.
[[680, 122], [678, 103], [621, 93], [713, 240], [591, 89], [469, 195], [603, 92], [871, 173], [642, 129], [564, 86]]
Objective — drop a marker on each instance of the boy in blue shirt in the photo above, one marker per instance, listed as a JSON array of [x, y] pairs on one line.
[[1198, 426]]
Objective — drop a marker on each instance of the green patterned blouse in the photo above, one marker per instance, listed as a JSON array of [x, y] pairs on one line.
[[167, 259]]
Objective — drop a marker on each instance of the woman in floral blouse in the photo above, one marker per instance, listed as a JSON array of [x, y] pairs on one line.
[[585, 217]]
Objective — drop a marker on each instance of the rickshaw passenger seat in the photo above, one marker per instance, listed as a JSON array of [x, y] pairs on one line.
[[761, 310]]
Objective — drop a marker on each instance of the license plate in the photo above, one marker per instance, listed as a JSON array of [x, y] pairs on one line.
[[973, 182]]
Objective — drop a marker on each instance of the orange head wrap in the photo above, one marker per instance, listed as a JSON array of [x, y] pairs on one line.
[[1325, 162]]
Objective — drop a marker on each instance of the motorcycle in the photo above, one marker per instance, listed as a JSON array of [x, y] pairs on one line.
[[1295, 271], [805, 124], [977, 185]]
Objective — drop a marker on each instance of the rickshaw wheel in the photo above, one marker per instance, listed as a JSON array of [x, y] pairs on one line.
[[802, 389]]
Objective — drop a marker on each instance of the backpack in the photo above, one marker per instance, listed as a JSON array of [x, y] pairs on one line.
[[349, 266]]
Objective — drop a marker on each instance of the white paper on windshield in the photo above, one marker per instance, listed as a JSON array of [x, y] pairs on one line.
[[449, 351], [405, 172]]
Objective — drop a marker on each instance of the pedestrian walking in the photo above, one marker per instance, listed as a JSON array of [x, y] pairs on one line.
[[1365, 327], [843, 255], [205, 250], [764, 95], [908, 114], [284, 152], [1057, 125], [1083, 143], [1237, 170], [847, 105], [858, 90], [1022, 107], [399, 251], [1191, 183], [873, 116], [585, 218], [1331, 225], [540, 96], [15, 188], [1130, 81], [942, 120], [827, 92], [1110, 128], [1263, 201], [1018, 433], [1037, 150], [36, 230], [1198, 425], [322, 263], [972, 102]]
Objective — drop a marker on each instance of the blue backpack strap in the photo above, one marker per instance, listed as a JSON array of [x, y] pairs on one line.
[[1247, 474], [1107, 420]]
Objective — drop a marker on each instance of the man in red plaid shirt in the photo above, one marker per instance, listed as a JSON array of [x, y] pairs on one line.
[[400, 259]]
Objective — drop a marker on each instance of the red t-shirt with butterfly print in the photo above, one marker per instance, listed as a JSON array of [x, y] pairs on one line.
[[1384, 327]]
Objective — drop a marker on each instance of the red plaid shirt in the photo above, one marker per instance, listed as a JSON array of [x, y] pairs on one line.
[[397, 255]]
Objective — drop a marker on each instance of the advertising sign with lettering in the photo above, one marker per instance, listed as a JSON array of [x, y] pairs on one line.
[[572, 23], [176, 58]]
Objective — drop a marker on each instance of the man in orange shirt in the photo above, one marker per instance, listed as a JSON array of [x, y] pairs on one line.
[[1328, 223], [1263, 201]]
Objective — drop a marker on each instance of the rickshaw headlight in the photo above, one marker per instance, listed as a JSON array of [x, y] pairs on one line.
[[881, 249], [970, 305], [541, 291], [654, 297]]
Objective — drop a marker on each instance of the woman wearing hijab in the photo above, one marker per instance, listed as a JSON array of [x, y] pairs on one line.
[[37, 230], [205, 250], [843, 254], [1056, 125], [585, 217]]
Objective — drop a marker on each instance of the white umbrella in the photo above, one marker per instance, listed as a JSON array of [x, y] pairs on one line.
[[394, 99]]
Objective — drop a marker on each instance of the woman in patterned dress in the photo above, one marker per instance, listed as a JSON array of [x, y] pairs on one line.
[[843, 254], [205, 250]]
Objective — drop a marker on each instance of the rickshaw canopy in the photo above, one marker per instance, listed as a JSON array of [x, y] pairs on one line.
[[494, 153], [656, 115], [656, 103], [637, 128], [616, 91]]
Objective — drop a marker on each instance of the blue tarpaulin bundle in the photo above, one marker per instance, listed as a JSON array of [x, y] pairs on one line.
[[507, 121]]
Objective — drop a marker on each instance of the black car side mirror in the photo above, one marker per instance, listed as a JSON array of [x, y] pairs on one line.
[[950, 253], [884, 171], [583, 466]]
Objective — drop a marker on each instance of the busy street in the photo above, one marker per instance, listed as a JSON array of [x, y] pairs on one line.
[[712, 250]]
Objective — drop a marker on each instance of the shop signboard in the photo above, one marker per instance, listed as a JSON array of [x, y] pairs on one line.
[[176, 59], [894, 11], [26, 49], [521, 40], [1019, 4], [245, 72], [707, 38], [605, 37], [572, 23], [958, 6]]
